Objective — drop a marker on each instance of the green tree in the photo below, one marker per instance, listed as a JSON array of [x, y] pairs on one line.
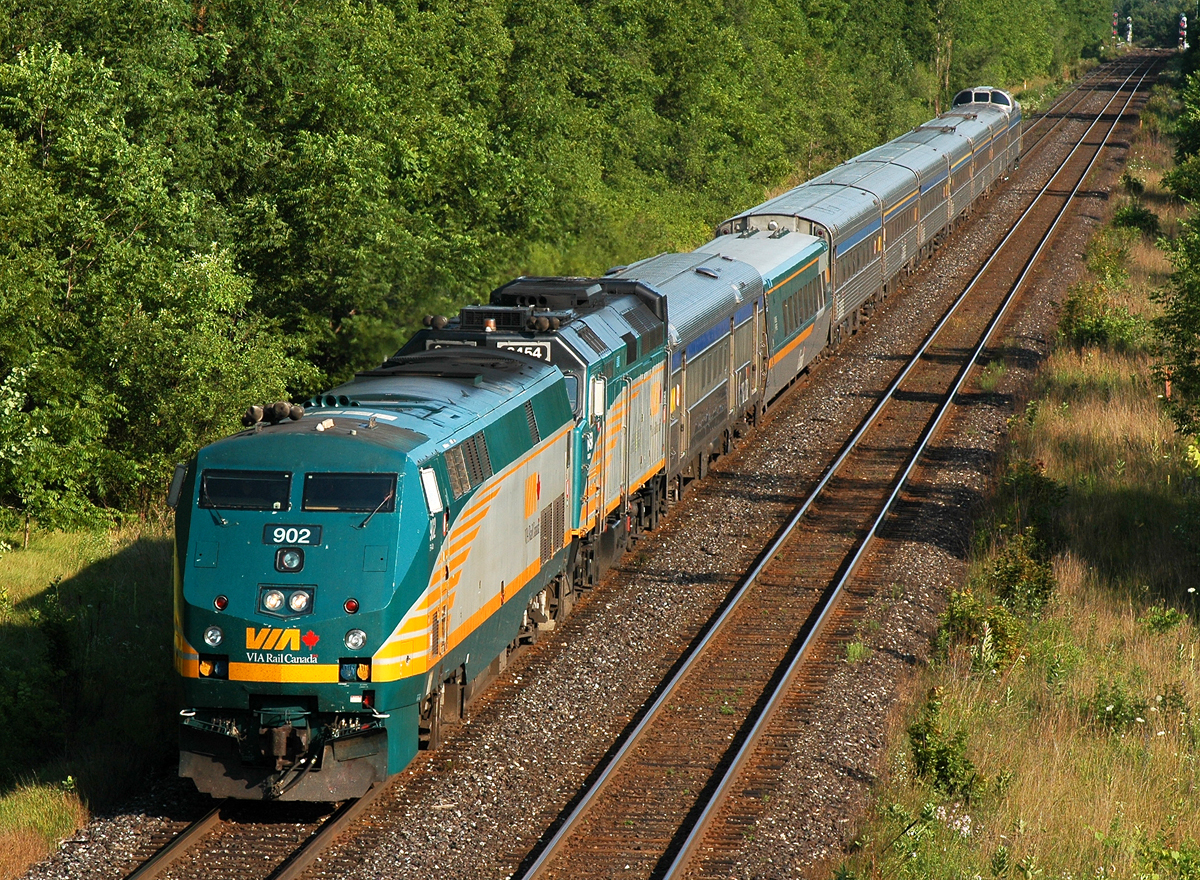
[[1179, 328], [207, 205], [124, 345]]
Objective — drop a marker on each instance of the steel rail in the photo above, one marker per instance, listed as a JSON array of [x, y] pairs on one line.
[[290, 869], [1062, 117], [538, 865], [299, 861], [179, 845], [720, 794]]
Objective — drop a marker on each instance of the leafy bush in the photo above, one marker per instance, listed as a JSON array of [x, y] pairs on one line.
[[1108, 256], [1132, 184], [1162, 619], [1184, 179], [1173, 699], [212, 204], [1090, 318], [1165, 859], [990, 632], [1135, 215], [1027, 498], [940, 758], [1179, 328], [1020, 575], [1113, 707]]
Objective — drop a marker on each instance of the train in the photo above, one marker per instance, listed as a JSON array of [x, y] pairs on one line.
[[350, 572]]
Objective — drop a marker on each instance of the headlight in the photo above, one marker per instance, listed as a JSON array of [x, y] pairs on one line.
[[298, 601], [213, 636], [289, 559], [355, 639], [273, 600]]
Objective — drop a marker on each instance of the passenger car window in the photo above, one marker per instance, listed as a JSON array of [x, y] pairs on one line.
[[245, 490], [356, 493]]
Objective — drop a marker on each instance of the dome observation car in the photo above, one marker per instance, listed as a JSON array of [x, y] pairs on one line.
[[997, 98]]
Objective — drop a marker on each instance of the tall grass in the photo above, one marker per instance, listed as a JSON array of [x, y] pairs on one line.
[[1066, 737], [86, 691], [32, 817]]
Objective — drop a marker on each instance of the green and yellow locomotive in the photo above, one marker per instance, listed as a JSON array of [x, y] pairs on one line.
[[334, 570]]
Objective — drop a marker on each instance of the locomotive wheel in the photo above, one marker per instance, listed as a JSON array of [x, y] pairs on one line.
[[566, 602]]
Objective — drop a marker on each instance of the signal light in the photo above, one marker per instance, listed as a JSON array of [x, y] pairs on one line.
[[221, 603], [351, 606]]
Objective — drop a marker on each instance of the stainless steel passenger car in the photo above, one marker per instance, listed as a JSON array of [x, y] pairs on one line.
[[884, 211], [715, 314]]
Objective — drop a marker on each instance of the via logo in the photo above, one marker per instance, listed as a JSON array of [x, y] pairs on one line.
[[271, 639]]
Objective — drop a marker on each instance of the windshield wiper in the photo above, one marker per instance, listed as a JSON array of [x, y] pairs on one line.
[[386, 499], [212, 508]]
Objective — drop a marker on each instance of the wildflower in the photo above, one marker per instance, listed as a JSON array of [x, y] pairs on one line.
[[1140, 720]]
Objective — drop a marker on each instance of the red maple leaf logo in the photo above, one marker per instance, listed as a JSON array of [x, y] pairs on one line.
[[310, 639]]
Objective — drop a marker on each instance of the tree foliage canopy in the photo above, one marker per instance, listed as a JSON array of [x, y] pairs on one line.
[[1179, 324], [205, 205]]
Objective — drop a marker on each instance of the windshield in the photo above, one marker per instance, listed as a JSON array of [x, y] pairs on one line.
[[245, 490], [357, 493]]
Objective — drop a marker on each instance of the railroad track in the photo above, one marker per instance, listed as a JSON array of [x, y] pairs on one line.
[[683, 787], [254, 840], [1047, 123], [736, 800]]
